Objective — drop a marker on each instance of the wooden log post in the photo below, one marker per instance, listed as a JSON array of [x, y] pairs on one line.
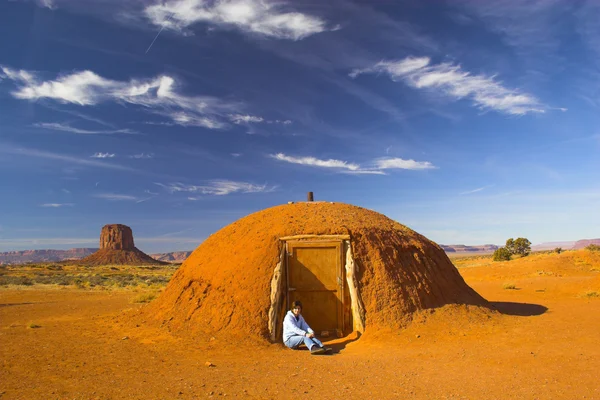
[[310, 197]]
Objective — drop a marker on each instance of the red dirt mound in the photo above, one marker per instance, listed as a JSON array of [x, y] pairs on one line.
[[225, 284], [117, 247]]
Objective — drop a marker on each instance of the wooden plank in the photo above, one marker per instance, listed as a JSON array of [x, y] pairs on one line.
[[324, 237]]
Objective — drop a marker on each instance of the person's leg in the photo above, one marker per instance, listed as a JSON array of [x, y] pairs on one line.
[[294, 341], [309, 342], [317, 342]]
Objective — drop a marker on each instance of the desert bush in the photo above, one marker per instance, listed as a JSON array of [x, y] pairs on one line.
[[16, 280], [591, 293], [501, 254], [509, 286], [518, 246], [592, 247], [144, 298], [34, 326], [558, 250]]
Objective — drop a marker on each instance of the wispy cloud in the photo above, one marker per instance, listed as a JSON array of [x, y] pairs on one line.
[[315, 162], [451, 80], [399, 163], [57, 205], [376, 167], [256, 16], [218, 187], [238, 119], [67, 128], [28, 152], [103, 155], [159, 95], [475, 190], [142, 156], [47, 4], [115, 197]]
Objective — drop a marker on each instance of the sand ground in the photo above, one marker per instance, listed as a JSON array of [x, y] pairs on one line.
[[544, 345]]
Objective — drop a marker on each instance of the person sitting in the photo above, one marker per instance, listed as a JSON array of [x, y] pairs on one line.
[[296, 331]]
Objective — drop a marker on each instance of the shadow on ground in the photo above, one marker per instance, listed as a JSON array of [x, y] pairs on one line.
[[519, 309], [15, 304]]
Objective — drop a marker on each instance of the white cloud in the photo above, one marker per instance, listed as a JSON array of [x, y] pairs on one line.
[[47, 4], [218, 187], [399, 163], [315, 162], [159, 95], [115, 197], [103, 155], [67, 128], [57, 205], [485, 92], [238, 119], [256, 16], [142, 156], [377, 167]]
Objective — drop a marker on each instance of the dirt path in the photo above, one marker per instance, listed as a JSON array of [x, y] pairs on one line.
[[544, 346]]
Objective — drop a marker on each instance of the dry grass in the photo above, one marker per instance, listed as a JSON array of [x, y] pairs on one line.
[[144, 297], [86, 278]]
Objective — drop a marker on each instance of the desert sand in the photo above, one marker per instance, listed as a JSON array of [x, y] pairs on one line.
[[543, 345]]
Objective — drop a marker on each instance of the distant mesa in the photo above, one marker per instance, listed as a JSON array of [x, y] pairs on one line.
[[173, 257], [117, 247], [461, 248], [580, 244]]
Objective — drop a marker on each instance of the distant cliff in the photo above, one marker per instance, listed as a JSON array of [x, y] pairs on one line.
[[461, 248], [580, 244], [173, 257], [29, 256]]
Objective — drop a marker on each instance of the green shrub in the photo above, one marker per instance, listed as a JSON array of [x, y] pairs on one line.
[[144, 298], [501, 254], [558, 250]]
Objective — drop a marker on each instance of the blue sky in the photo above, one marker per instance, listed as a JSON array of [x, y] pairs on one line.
[[469, 122]]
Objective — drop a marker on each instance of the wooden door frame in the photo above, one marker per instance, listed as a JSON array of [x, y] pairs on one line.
[[313, 241]]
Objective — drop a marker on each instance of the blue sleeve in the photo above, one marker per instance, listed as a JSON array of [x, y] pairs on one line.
[[305, 326], [290, 326]]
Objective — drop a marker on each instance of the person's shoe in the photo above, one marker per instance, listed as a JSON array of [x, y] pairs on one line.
[[317, 350]]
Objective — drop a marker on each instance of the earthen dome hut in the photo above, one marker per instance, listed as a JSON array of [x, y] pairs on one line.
[[354, 270]]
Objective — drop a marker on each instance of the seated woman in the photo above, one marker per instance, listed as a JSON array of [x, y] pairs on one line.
[[296, 331]]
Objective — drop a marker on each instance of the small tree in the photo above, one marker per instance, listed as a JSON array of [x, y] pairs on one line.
[[502, 254], [520, 246], [510, 245], [558, 250]]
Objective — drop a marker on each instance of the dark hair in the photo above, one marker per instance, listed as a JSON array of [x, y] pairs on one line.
[[296, 303]]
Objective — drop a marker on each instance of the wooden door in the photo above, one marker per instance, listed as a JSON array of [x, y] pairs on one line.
[[315, 277]]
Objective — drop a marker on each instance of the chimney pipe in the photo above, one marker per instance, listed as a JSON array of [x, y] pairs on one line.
[[310, 197]]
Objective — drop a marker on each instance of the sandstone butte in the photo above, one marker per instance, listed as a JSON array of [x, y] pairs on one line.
[[117, 247], [225, 286]]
